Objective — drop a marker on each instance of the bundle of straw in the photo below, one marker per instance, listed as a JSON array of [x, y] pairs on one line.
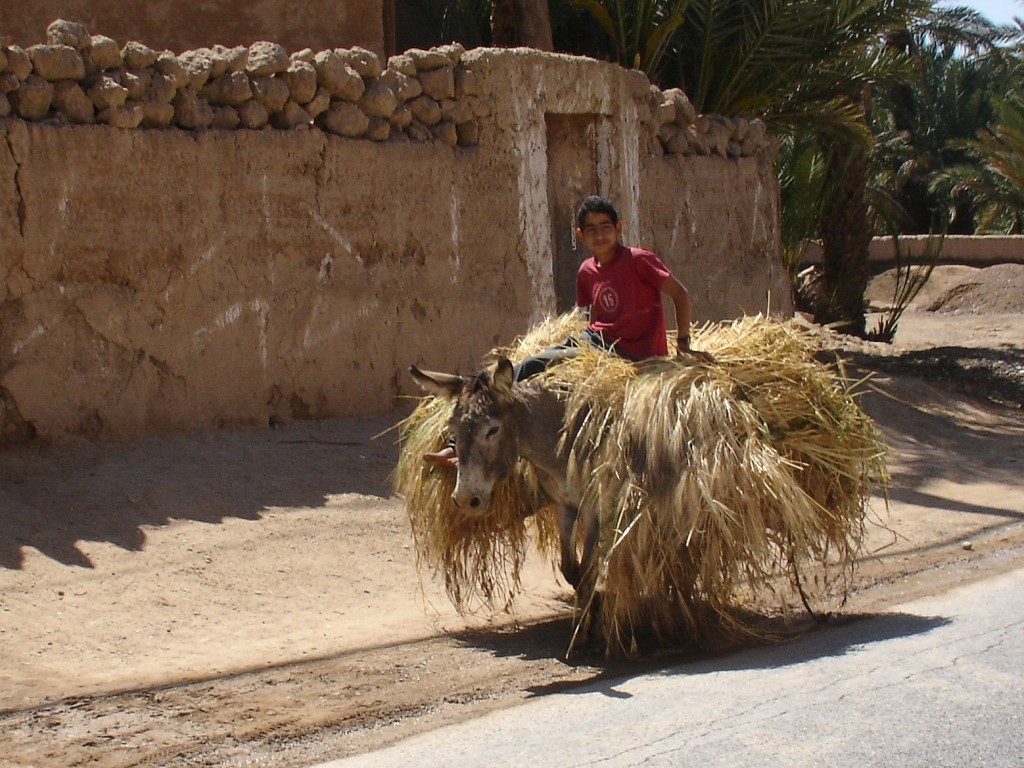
[[711, 480]]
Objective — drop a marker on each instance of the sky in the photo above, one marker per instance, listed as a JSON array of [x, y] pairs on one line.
[[997, 11]]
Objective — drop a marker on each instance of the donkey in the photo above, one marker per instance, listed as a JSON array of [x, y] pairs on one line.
[[498, 420]]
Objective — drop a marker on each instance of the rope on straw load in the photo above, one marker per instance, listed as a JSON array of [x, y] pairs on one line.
[[711, 482]]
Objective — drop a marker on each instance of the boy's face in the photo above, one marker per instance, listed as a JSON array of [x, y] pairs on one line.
[[600, 235]]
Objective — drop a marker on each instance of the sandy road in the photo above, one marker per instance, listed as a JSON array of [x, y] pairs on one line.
[[251, 597]]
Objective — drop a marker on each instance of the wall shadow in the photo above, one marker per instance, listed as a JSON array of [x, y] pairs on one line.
[[930, 424], [992, 375], [922, 499], [52, 499]]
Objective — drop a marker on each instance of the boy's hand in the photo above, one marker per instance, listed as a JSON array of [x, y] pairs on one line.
[[686, 354]]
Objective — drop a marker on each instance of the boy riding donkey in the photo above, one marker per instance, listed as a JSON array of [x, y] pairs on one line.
[[622, 287]]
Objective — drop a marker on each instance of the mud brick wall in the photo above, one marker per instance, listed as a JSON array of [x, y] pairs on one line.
[[183, 266]]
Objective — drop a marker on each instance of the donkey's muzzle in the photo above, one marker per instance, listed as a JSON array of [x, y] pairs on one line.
[[474, 502]]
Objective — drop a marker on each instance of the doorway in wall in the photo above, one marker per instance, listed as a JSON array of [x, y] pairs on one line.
[[572, 175]]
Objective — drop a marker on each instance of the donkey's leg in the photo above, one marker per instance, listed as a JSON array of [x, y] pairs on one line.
[[591, 535], [570, 567], [588, 565], [588, 599]]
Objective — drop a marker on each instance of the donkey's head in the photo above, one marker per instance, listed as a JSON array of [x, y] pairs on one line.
[[485, 427]]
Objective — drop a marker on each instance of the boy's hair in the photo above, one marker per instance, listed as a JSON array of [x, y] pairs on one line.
[[595, 204]]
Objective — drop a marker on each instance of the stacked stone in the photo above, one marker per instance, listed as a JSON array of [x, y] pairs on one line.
[[681, 131], [80, 78]]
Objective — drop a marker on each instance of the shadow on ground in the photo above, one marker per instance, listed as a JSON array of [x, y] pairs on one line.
[[992, 375], [922, 422], [836, 637], [51, 499]]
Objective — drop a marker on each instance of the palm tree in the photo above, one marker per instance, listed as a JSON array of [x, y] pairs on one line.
[[992, 185], [923, 123]]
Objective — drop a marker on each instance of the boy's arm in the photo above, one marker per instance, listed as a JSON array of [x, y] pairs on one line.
[[681, 299]]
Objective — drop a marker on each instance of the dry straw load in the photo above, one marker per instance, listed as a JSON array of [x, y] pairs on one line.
[[716, 484]]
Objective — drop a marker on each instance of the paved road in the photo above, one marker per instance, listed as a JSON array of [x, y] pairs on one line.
[[938, 682]]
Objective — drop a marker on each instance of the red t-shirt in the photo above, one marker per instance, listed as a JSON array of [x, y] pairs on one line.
[[624, 297]]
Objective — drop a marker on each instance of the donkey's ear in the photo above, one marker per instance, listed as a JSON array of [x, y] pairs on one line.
[[438, 384], [504, 375]]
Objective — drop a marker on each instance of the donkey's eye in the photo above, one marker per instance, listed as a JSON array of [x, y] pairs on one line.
[[492, 432]]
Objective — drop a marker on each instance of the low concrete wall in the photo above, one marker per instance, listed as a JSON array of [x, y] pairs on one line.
[[974, 250], [166, 280]]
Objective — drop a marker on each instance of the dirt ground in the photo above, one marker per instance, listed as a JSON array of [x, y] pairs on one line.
[[252, 598]]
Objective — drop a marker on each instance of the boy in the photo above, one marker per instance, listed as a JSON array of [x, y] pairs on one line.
[[622, 287]]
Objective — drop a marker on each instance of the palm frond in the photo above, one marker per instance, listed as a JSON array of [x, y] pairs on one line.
[[640, 30]]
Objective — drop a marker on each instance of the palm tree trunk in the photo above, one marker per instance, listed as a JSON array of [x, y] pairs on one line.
[[521, 23], [845, 237]]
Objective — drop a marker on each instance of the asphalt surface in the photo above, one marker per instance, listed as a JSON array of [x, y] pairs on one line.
[[937, 682]]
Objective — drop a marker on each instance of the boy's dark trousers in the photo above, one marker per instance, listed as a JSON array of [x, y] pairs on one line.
[[531, 366]]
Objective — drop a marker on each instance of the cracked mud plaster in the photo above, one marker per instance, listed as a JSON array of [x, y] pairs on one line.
[[16, 179], [15, 282]]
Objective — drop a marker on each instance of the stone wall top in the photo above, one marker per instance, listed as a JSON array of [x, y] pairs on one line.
[[182, 25], [76, 77], [80, 78]]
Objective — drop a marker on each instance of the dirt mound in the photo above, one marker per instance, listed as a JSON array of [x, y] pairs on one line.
[[958, 290], [998, 289]]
